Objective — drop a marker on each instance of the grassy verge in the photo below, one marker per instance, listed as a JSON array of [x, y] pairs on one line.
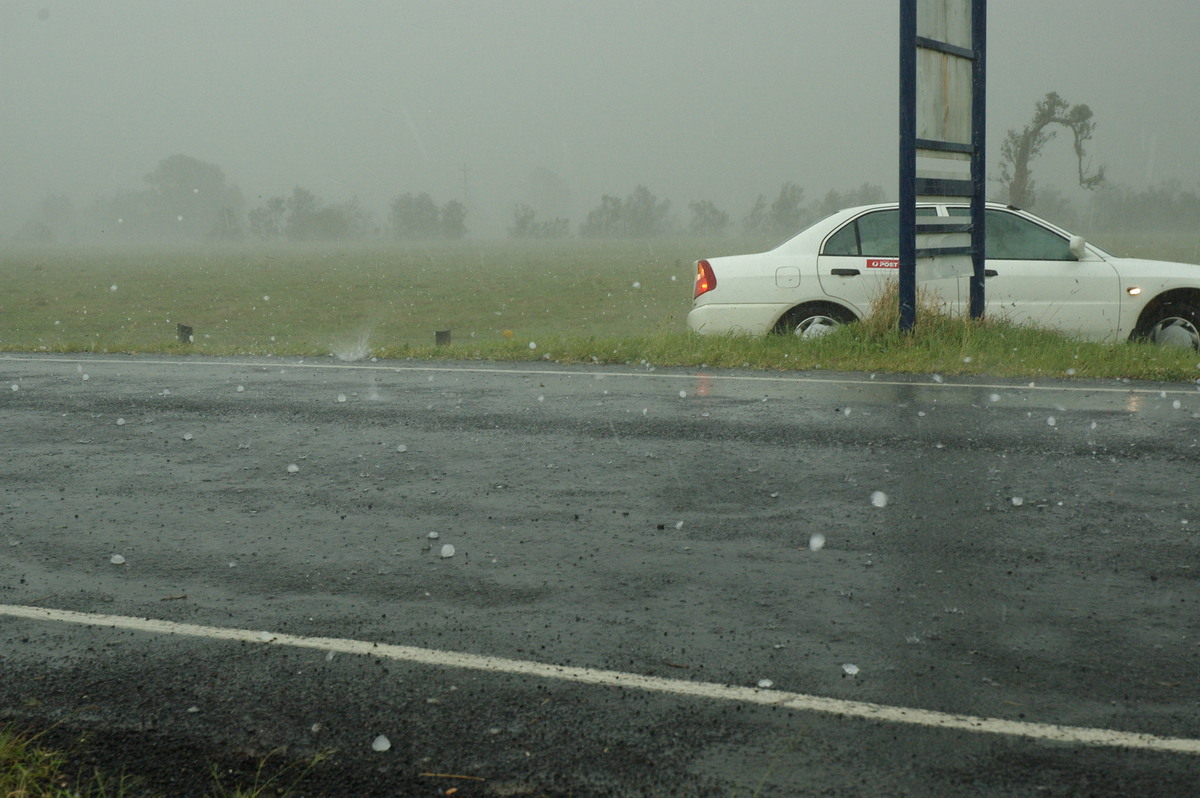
[[30, 769], [567, 301], [947, 347]]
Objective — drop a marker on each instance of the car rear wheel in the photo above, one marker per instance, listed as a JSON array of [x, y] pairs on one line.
[[813, 320], [1176, 324]]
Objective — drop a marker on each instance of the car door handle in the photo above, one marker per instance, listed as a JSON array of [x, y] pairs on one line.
[[990, 273], [845, 272]]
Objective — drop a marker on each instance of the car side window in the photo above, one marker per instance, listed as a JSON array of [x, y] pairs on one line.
[[872, 235], [843, 242], [879, 234], [1011, 237]]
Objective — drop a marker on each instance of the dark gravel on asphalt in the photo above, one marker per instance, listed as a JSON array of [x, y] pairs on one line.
[[1036, 559]]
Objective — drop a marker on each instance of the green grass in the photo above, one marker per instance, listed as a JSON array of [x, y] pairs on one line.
[[575, 301], [283, 781], [324, 299], [29, 769]]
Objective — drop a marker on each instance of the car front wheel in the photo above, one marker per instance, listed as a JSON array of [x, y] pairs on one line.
[[1176, 324], [813, 320]]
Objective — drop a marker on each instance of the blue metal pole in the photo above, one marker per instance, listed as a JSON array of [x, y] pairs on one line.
[[978, 161], [908, 165]]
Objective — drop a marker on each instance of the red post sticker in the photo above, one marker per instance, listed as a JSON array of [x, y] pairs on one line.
[[883, 263]]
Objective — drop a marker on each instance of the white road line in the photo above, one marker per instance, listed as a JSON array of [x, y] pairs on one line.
[[978, 386], [631, 681]]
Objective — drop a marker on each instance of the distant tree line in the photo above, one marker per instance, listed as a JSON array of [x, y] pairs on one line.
[[417, 216], [642, 215], [1118, 208], [526, 225], [188, 199], [639, 215], [184, 198], [304, 216]]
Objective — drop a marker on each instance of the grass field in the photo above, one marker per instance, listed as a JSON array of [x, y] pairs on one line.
[[313, 301], [568, 301]]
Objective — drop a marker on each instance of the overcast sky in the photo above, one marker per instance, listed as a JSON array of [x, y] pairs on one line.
[[696, 99]]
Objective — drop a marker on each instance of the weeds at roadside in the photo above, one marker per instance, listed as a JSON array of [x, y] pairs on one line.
[[262, 787], [28, 769]]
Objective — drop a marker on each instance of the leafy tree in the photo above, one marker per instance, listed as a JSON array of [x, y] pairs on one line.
[[303, 216], [604, 221], [1019, 148], [783, 217], [787, 212], [303, 208], [524, 222], [453, 220], [526, 225], [267, 220], [227, 227], [415, 216], [639, 215], [190, 197], [756, 222], [645, 216], [707, 219], [866, 194]]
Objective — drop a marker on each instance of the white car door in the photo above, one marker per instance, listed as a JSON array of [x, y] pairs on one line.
[[1031, 276], [859, 262]]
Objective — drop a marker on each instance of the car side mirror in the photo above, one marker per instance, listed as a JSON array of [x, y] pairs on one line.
[[1078, 247]]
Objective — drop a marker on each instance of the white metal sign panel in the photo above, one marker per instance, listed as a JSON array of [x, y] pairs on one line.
[[944, 78], [943, 96], [946, 21]]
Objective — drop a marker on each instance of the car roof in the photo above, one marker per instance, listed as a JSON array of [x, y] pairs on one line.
[[927, 204], [823, 227]]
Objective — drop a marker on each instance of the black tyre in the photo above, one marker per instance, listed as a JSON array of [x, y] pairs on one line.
[[813, 319], [1173, 324]]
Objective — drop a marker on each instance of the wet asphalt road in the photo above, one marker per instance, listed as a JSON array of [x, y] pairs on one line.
[[1034, 557]]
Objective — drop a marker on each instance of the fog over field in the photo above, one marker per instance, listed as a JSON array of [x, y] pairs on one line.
[[548, 103]]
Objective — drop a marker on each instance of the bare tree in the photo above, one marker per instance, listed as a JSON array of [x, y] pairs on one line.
[[1019, 148]]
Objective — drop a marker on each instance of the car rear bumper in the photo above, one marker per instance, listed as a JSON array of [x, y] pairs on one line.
[[720, 319]]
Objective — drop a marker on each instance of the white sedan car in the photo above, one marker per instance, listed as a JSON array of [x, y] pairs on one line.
[[830, 273]]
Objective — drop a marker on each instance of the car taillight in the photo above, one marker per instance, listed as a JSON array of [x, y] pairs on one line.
[[705, 279]]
